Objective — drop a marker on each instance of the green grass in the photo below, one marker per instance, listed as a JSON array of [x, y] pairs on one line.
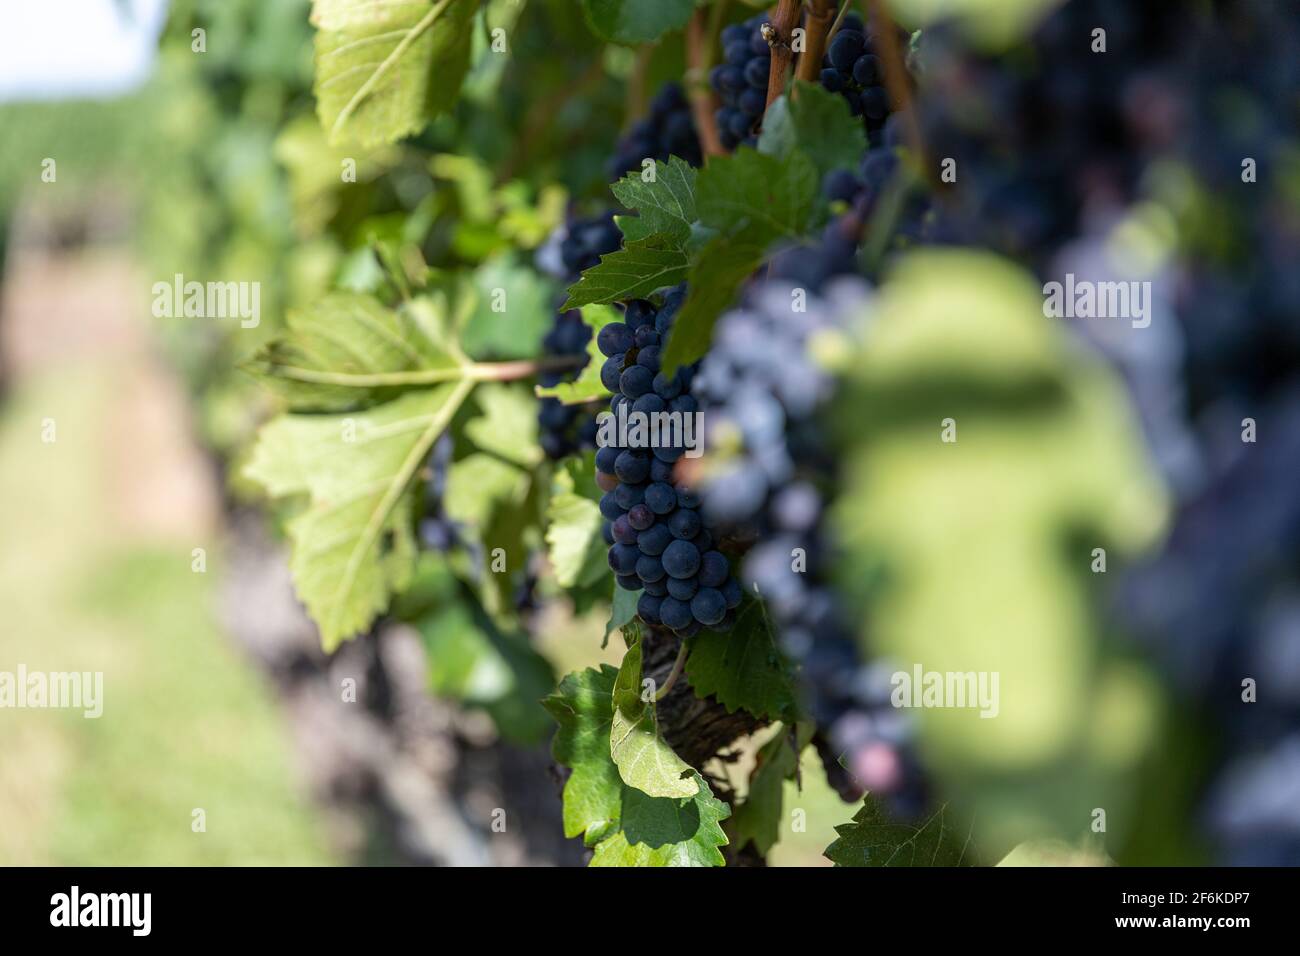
[[186, 724]]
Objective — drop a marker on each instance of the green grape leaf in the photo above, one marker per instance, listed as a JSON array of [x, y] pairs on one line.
[[474, 662], [644, 759], [633, 272], [764, 197], [666, 831], [573, 521], [490, 499], [636, 21], [348, 351], [587, 387], [583, 706], [873, 839], [758, 818], [665, 206], [816, 122], [353, 544], [622, 610], [743, 668], [507, 424], [384, 69], [514, 307], [722, 266]]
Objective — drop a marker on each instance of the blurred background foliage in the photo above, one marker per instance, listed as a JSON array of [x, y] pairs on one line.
[[959, 555]]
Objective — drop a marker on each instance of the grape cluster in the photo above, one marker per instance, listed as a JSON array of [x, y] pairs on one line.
[[658, 540], [741, 82], [853, 68], [771, 467], [1052, 136], [438, 532], [566, 429], [669, 130], [1219, 603]]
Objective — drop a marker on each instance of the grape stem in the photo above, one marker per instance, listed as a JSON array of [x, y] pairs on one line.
[[778, 33], [821, 18], [700, 34], [679, 665]]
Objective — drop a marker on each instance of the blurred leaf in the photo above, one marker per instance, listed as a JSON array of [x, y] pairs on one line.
[[872, 839], [981, 547], [507, 425], [575, 546], [643, 759], [583, 707], [336, 352], [636, 21], [662, 831], [1054, 853], [473, 662], [720, 269], [353, 545], [758, 819], [993, 24], [488, 498], [527, 307], [742, 668], [383, 70], [316, 172]]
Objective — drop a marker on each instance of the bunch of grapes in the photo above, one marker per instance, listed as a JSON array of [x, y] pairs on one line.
[[1053, 137], [853, 68], [771, 468], [658, 539], [669, 130], [741, 82], [1220, 603], [566, 429]]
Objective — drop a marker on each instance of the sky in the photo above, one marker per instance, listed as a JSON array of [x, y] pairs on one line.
[[76, 48]]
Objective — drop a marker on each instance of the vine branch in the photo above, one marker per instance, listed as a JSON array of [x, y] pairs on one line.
[[821, 17], [699, 47], [779, 32]]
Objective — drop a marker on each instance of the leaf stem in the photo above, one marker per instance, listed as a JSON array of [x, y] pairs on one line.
[[679, 665], [472, 372]]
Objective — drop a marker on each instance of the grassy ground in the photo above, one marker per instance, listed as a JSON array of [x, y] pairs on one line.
[[86, 585]]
